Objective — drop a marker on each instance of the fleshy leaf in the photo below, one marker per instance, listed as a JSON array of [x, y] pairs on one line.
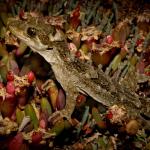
[[74, 19], [61, 99], [45, 106], [29, 111], [16, 142]]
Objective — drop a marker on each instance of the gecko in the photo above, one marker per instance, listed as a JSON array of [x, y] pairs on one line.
[[74, 75]]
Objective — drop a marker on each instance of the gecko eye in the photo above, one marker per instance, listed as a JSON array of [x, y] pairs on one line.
[[31, 32]]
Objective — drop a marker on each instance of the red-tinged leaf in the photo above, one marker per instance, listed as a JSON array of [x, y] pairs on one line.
[[43, 120], [72, 47], [89, 42], [74, 122], [78, 54], [146, 57], [76, 12], [123, 52], [147, 71], [1, 85], [42, 124], [31, 77], [16, 142], [22, 97], [14, 66], [1, 101], [121, 32], [24, 70], [10, 76], [88, 131], [75, 23], [139, 42], [109, 115], [21, 13], [109, 39], [39, 84], [25, 146], [61, 100], [104, 58], [11, 3], [10, 87], [13, 116], [8, 105], [85, 127], [80, 99], [74, 20], [140, 67], [37, 137], [11, 98], [18, 52], [77, 41], [101, 124]]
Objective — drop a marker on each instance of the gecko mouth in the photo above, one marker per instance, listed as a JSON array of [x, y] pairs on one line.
[[146, 116], [49, 48]]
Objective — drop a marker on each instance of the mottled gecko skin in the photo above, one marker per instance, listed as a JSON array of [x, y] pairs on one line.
[[74, 75]]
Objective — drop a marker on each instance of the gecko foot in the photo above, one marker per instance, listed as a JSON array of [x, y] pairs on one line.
[[58, 115]]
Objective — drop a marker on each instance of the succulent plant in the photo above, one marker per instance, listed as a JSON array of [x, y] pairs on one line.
[[101, 31], [29, 111]]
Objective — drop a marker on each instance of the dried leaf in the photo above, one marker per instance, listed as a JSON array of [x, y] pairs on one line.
[[90, 32], [55, 20], [24, 123]]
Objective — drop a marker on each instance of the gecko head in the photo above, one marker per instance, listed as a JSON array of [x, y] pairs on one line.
[[34, 32]]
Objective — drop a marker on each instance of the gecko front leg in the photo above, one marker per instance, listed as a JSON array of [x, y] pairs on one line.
[[71, 95], [70, 104], [69, 107]]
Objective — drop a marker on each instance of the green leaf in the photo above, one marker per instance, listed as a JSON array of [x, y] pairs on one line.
[[45, 106], [19, 115], [115, 62], [29, 111]]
